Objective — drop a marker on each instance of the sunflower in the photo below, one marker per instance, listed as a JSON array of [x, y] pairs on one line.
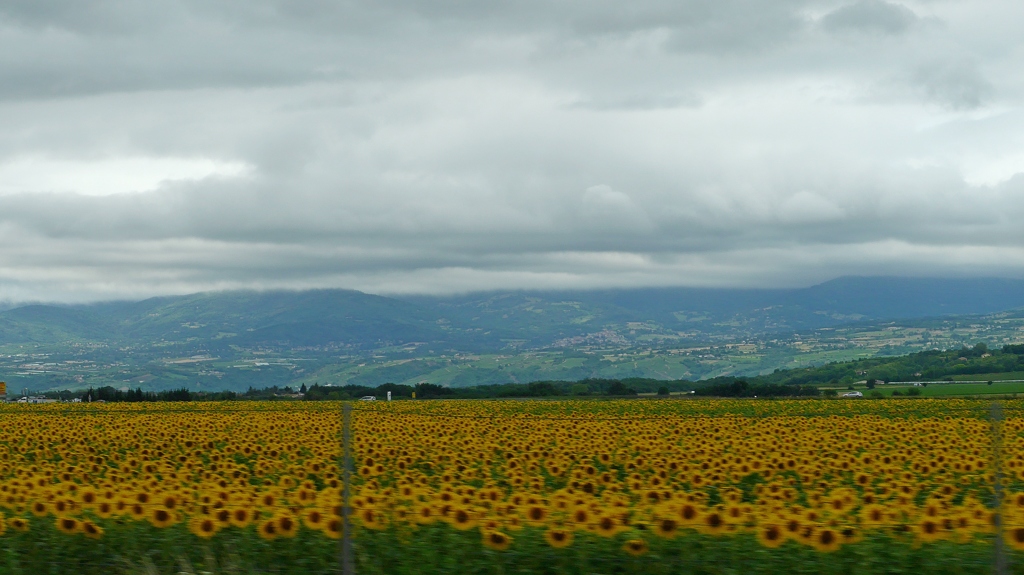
[[1014, 537], [241, 517], [314, 519], [666, 528], [712, 522], [91, 530], [204, 527], [268, 501], [68, 525], [169, 502], [222, 517], [805, 534], [735, 514], [88, 497], [607, 526], [63, 506], [771, 535], [826, 539], [268, 529], [496, 540], [513, 523], [635, 547], [426, 514], [160, 517], [104, 509], [558, 537], [371, 518], [929, 529], [287, 526], [689, 514], [40, 508], [873, 516], [137, 511], [581, 518], [18, 524], [462, 519], [305, 496], [535, 515], [961, 525]]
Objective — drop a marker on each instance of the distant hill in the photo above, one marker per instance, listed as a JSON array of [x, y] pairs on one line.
[[894, 298], [738, 312], [282, 318], [235, 339], [483, 321]]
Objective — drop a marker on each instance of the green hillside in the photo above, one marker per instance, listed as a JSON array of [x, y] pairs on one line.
[[977, 363], [237, 340]]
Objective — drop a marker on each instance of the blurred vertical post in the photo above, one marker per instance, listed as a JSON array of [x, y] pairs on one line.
[[996, 415], [347, 565]]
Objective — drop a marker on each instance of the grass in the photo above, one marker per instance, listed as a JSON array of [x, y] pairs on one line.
[[438, 548], [133, 547], [948, 389], [966, 389], [983, 377], [952, 389]]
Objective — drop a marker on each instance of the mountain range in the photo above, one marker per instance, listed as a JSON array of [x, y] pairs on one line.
[[153, 340]]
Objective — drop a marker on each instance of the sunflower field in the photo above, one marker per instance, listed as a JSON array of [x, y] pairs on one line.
[[637, 486]]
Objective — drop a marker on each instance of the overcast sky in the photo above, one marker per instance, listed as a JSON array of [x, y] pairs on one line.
[[397, 146]]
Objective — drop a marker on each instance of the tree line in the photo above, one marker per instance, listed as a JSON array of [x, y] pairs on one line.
[[801, 382]]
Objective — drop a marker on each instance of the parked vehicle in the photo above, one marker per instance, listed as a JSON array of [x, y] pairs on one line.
[[368, 398], [852, 394]]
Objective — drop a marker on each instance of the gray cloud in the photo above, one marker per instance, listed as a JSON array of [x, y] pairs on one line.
[[640, 101], [395, 146], [958, 85], [873, 16]]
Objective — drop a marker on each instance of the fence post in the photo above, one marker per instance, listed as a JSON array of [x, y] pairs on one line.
[[996, 415], [347, 565]]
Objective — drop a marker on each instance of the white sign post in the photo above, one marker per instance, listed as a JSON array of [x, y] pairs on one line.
[[389, 396]]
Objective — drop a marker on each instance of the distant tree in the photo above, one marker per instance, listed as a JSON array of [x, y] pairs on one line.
[[740, 388], [914, 391], [619, 388], [663, 390], [432, 390], [302, 389], [871, 384], [541, 389]]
